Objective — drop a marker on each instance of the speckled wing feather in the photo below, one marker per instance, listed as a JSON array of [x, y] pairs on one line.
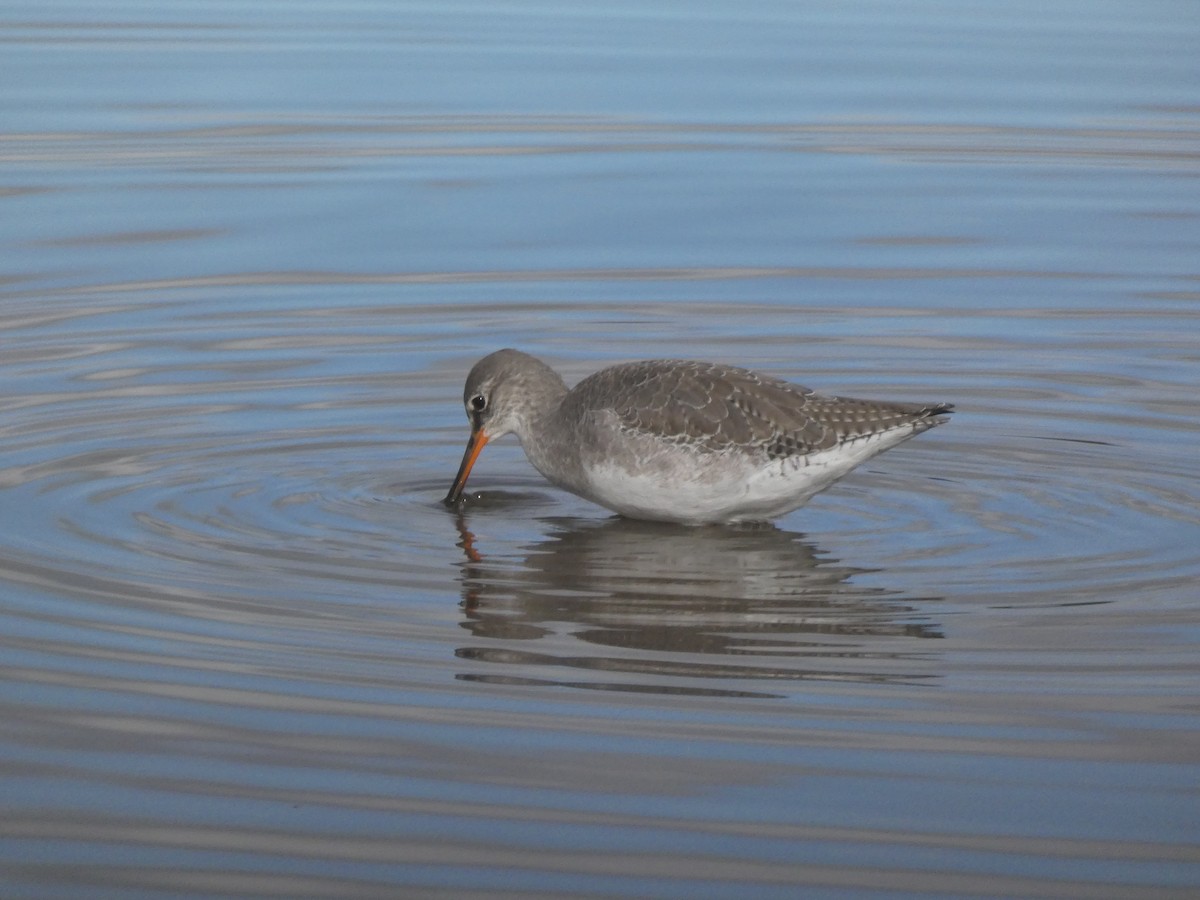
[[723, 408]]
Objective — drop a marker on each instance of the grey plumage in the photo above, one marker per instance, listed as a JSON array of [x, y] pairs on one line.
[[679, 440], [720, 408]]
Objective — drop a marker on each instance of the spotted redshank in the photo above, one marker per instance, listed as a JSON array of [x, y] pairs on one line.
[[680, 441]]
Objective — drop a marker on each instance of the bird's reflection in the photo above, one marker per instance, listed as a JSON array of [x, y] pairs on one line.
[[653, 607]]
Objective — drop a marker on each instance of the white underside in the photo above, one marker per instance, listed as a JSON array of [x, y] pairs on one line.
[[697, 489]]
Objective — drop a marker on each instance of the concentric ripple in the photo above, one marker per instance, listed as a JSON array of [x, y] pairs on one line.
[[252, 475]]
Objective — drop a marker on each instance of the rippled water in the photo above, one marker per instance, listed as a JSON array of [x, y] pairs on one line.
[[247, 255]]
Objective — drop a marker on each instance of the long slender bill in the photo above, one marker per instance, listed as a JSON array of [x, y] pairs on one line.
[[474, 445]]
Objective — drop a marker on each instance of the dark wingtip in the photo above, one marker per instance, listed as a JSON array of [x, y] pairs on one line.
[[938, 409]]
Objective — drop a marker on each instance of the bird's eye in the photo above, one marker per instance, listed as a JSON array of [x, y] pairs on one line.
[[478, 403]]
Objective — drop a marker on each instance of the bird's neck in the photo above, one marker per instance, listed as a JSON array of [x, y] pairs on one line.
[[543, 396]]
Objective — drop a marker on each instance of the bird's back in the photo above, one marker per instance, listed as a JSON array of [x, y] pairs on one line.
[[720, 409]]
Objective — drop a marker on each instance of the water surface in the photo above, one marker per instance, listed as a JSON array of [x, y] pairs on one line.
[[247, 255]]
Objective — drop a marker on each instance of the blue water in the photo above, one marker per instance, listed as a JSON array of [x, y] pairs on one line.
[[248, 253]]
